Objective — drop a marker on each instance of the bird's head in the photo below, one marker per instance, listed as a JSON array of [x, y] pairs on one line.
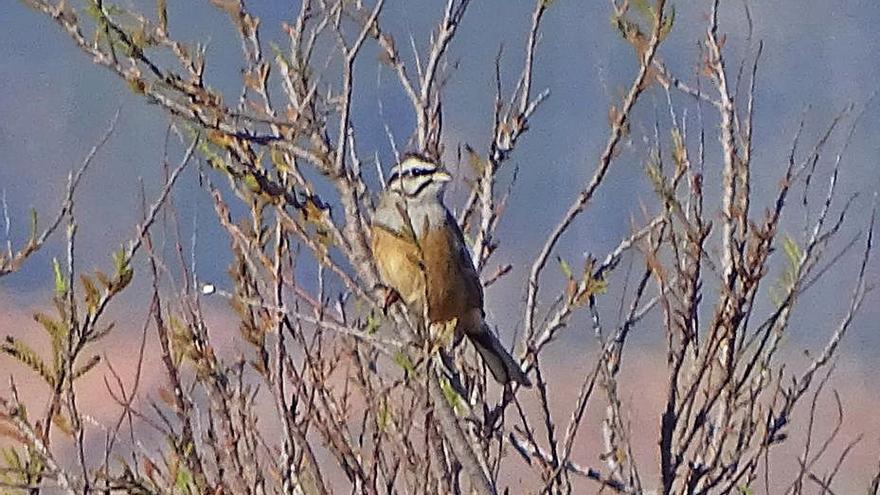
[[416, 177]]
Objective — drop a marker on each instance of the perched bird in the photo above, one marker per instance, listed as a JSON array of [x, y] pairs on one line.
[[421, 254]]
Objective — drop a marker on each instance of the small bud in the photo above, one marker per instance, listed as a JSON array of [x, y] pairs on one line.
[[208, 289]]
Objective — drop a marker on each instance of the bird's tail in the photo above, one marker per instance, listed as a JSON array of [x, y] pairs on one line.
[[501, 364]]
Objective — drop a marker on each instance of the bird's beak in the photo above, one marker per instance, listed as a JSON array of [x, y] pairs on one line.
[[442, 176]]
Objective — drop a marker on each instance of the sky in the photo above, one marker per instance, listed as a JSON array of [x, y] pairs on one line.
[[818, 57]]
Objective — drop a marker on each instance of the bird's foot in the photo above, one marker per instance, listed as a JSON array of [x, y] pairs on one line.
[[391, 297]]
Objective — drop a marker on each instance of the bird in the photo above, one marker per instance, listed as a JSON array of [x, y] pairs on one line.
[[420, 253]]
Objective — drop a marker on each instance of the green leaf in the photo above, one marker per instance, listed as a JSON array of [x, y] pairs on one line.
[[595, 286], [786, 281], [184, 478], [792, 250], [92, 296], [57, 330], [384, 416], [451, 395], [62, 424], [12, 459], [103, 279], [207, 150], [60, 280], [82, 370], [250, 181], [124, 272], [477, 163], [679, 152], [22, 352], [120, 261], [373, 323], [100, 333], [565, 268], [403, 361], [93, 11], [279, 53], [668, 21], [643, 8]]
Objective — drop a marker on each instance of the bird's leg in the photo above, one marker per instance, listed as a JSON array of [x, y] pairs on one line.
[[451, 373], [441, 335], [391, 296], [457, 334], [444, 333]]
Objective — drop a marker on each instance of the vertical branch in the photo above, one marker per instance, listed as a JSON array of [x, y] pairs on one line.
[[583, 198], [429, 118], [285, 464], [75, 336], [729, 153], [508, 126], [455, 436]]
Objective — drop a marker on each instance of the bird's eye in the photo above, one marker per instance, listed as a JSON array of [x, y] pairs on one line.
[[419, 172]]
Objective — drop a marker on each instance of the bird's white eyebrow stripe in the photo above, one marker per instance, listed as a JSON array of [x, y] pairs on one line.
[[419, 189]]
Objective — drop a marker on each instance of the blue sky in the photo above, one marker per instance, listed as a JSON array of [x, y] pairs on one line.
[[55, 104]]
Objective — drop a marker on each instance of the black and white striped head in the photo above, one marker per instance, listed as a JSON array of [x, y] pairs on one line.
[[416, 177]]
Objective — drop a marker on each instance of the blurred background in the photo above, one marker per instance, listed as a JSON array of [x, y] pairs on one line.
[[818, 57]]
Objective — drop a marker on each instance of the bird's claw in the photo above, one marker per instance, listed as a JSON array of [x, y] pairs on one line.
[[391, 297]]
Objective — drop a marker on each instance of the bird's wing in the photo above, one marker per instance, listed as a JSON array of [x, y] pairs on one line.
[[470, 278]]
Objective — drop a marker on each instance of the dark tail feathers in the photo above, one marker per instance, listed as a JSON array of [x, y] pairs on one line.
[[504, 368]]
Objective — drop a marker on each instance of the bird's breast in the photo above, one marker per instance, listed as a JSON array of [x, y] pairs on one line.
[[424, 259], [398, 261]]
